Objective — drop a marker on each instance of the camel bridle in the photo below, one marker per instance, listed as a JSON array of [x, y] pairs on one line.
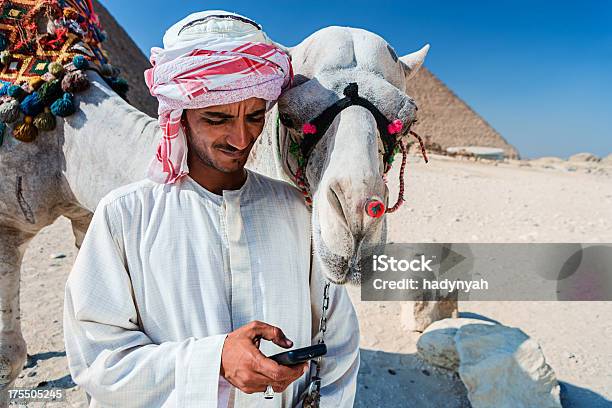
[[390, 132]]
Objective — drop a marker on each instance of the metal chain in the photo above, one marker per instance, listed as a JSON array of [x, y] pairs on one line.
[[323, 321], [313, 397]]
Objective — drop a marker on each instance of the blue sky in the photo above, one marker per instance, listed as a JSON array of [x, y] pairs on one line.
[[540, 72]]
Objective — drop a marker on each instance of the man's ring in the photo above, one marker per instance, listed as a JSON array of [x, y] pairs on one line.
[[269, 393]]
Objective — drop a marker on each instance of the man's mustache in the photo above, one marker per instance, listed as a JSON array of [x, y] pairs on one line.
[[230, 148]]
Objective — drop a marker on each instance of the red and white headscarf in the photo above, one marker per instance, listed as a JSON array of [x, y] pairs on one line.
[[209, 58]]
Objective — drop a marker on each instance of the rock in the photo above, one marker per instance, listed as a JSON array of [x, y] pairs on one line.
[[583, 157], [437, 343], [59, 255], [607, 160], [548, 160], [500, 366], [417, 315]]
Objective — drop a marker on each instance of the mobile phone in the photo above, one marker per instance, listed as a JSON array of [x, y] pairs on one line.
[[300, 355]]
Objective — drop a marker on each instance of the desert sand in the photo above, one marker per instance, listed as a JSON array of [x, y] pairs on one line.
[[448, 200]]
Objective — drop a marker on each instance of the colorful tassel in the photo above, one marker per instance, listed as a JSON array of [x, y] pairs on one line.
[[47, 76], [17, 92], [36, 82], [45, 120], [63, 107], [9, 111], [32, 105], [120, 85], [26, 131], [80, 62], [50, 91], [75, 81], [106, 70], [56, 69], [109, 70]]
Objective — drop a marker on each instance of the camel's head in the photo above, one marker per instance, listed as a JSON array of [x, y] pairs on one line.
[[345, 162]]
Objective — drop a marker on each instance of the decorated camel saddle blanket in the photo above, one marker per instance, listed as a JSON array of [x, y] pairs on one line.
[[45, 47]]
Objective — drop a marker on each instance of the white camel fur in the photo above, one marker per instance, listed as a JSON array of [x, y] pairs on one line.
[[108, 143]]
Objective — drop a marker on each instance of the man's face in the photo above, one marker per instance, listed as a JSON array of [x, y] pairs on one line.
[[222, 136]]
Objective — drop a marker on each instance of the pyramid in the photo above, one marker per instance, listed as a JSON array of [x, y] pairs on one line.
[[443, 117]]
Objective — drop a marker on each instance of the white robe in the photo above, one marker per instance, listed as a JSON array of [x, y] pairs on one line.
[[166, 271]]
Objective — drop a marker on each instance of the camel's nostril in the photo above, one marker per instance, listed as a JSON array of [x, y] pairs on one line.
[[374, 207]]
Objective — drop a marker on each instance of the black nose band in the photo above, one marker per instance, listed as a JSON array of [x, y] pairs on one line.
[[322, 122]]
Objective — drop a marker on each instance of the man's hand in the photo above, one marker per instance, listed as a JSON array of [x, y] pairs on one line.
[[245, 367]]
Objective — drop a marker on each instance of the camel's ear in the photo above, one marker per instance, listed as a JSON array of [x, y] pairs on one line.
[[282, 47], [412, 62]]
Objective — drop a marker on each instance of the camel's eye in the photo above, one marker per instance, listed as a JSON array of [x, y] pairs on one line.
[[286, 120]]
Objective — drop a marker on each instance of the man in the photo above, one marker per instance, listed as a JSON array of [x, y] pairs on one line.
[[181, 274]]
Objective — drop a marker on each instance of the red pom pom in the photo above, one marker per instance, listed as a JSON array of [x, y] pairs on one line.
[[395, 126], [375, 208], [309, 129]]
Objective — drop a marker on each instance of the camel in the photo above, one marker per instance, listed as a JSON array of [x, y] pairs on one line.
[[108, 143]]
